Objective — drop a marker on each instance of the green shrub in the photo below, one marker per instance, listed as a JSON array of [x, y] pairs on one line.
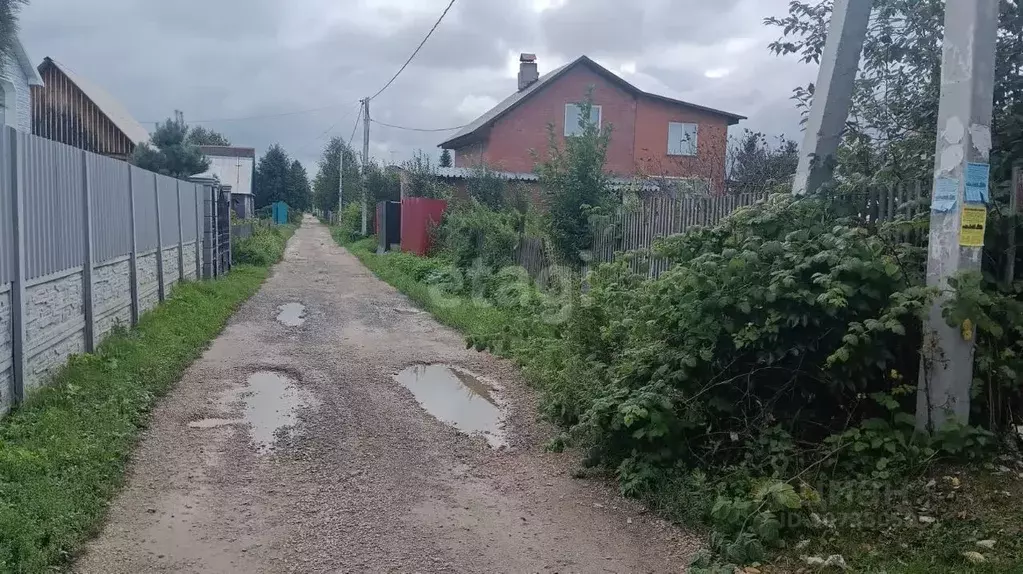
[[265, 246], [350, 222], [475, 235]]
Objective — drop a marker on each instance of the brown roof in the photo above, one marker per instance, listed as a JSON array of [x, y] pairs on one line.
[[471, 131]]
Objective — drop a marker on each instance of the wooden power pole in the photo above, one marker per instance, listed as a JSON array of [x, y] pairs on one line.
[[365, 163]]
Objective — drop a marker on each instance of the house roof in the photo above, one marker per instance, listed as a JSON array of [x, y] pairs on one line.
[[106, 103], [471, 131], [31, 74], [228, 151]]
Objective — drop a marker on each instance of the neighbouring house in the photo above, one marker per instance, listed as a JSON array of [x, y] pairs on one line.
[[17, 78], [72, 110], [233, 166], [654, 136]]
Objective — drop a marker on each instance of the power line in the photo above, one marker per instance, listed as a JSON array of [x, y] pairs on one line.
[[407, 62], [355, 127], [329, 129], [260, 117], [418, 129]]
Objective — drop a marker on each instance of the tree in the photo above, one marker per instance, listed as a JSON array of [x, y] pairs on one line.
[[170, 153], [755, 165], [382, 183], [325, 184], [573, 184], [299, 194], [421, 178], [203, 136], [445, 158], [273, 174], [8, 30]]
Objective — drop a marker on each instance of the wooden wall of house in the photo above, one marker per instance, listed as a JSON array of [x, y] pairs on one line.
[[61, 112]]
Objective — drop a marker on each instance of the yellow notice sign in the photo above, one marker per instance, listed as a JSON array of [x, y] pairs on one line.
[[971, 234]]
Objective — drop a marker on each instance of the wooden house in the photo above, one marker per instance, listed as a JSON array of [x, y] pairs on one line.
[[72, 110]]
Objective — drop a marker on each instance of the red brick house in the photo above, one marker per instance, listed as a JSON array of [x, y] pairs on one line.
[[653, 136]]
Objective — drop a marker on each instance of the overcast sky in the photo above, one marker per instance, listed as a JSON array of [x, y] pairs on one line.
[[231, 59]]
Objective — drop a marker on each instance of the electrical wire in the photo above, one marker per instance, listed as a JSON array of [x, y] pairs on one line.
[[407, 62], [375, 121], [355, 127], [260, 117]]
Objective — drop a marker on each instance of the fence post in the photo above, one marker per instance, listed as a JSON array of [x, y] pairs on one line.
[[87, 258], [20, 273], [181, 237], [159, 241], [196, 201], [133, 262]]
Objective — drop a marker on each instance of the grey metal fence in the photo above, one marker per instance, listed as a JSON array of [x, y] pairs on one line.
[[79, 235]]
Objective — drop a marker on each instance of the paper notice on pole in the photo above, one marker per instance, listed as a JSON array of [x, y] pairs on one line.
[[971, 233], [977, 176], [946, 191]]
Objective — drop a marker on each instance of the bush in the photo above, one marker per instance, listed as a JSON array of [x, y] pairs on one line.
[[474, 235], [350, 222], [265, 247]]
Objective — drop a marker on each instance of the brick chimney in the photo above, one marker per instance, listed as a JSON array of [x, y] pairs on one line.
[[528, 73]]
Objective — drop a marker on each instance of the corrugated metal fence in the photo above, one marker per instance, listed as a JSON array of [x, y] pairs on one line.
[[76, 235]]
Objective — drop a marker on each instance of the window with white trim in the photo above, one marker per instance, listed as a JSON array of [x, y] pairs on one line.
[[682, 138], [572, 113]]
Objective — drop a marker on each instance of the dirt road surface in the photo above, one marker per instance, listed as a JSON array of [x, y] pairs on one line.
[[292, 447]]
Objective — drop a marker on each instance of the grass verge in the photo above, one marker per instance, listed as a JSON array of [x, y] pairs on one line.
[[63, 453], [400, 270]]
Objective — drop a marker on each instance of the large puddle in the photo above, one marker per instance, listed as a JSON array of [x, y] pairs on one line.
[[458, 398], [292, 314], [271, 403]]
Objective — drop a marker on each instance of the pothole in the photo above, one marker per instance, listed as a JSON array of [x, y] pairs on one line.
[[212, 423], [457, 397], [272, 402], [291, 314]]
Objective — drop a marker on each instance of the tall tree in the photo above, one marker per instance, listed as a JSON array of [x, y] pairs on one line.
[[299, 194], [272, 176], [445, 158], [8, 30], [325, 184], [199, 135], [170, 153]]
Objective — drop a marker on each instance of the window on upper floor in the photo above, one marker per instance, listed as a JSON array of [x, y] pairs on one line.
[[572, 113], [682, 138]]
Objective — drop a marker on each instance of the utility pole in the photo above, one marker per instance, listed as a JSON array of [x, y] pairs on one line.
[[958, 203], [832, 97], [365, 163]]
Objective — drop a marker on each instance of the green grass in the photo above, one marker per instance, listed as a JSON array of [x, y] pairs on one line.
[[400, 270], [63, 453]]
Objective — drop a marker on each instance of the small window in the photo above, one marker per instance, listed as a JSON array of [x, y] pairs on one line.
[[572, 112], [682, 138]]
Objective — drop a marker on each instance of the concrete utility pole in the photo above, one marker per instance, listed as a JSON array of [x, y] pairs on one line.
[[832, 97], [365, 163], [958, 202]]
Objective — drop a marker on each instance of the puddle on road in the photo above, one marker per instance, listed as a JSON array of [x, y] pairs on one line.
[[458, 398], [292, 314], [271, 403]]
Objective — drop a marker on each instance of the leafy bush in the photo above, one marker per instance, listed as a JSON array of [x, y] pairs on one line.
[[265, 247], [475, 235], [350, 222]]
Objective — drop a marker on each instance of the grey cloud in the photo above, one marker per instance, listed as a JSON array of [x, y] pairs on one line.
[[223, 59]]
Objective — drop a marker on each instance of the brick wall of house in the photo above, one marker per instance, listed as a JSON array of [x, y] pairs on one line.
[[525, 127], [652, 119]]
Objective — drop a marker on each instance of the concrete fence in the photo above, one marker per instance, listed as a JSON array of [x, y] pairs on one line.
[[86, 243]]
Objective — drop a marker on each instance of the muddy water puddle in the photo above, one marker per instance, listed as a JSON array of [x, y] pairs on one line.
[[291, 314], [271, 402], [457, 397]]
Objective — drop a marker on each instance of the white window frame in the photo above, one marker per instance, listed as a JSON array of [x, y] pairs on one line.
[[695, 144], [575, 126]]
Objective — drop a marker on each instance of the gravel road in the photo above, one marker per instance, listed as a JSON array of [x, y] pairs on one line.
[[291, 447]]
